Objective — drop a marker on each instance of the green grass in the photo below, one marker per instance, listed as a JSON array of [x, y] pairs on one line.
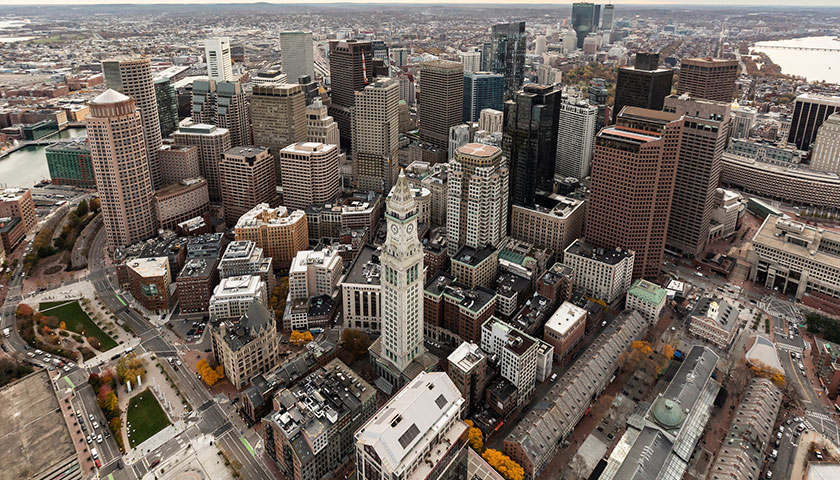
[[77, 321], [145, 417]]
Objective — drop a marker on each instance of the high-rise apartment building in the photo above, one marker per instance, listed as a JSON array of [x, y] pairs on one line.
[[178, 162], [296, 55], [809, 112], [643, 85], [225, 105], [826, 153], [471, 60], [441, 100], [350, 70], [279, 232], [477, 203], [212, 142], [417, 434], [575, 137], [708, 78], [217, 56], [584, 20], [246, 175], [134, 78], [121, 169], [320, 127], [491, 120], [167, 103], [633, 173], [704, 136], [376, 130], [482, 90], [310, 174], [607, 17], [278, 117], [530, 141], [506, 54]]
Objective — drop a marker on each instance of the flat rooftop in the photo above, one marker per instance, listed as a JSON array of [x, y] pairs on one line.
[[471, 256], [366, 268], [565, 318], [796, 238], [149, 267], [33, 434], [608, 256]]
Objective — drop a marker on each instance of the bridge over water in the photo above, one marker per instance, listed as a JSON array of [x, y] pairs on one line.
[[804, 49]]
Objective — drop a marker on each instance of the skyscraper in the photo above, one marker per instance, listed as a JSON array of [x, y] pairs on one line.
[[402, 279], [296, 54], [530, 141], [376, 130], [320, 127], [134, 78], [643, 85], [482, 90], [708, 78], [575, 137], [278, 117], [441, 100], [118, 153], [826, 153], [598, 95], [632, 183], [350, 62], [471, 60], [809, 112], [310, 174], [212, 143], [507, 54], [217, 53], [607, 17], [704, 137], [584, 20], [225, 105], [167, 102], [477, 203], [246, 174]]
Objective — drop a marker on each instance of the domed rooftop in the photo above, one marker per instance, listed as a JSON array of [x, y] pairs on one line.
[[667, 413]]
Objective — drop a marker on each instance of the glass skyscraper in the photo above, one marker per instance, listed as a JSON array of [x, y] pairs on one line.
[[507, 54], [482, 90], [584, 20]]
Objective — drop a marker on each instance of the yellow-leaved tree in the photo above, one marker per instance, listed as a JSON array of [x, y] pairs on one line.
[[503, 464]]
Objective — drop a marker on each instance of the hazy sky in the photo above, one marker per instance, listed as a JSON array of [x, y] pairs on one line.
[[676, 3]]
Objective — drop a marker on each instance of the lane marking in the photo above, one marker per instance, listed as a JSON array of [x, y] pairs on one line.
[[121, 300], [69, 382], [248, 446]]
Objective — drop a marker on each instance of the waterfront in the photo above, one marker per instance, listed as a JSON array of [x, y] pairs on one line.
[[814, 65], [28, 166]]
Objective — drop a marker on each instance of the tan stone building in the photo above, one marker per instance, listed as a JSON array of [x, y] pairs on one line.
[[554, 228], [212, 142], [280, 233], [245, 346], [309, 174], [246, 175], [375, 134], [278, 117], [178, 162], [184, 200], [17, 202]]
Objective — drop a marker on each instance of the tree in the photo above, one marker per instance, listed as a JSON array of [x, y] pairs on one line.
[[129, 367], [476, 438], [300, 338], [94, 204], [354, 344], [115, 424], [82, 209], [503, 464], [209, 374], [24, 310]]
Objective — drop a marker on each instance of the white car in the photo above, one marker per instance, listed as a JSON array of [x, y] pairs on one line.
[[65, 368], [95, 424], [89, 439], [90, 416], [99, 438], [698, 274], [30, 354]]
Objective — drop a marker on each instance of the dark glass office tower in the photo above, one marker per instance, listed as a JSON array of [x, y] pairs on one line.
[[482, 90], [507, 54], [351, 68], [530, 141], [643, 85], [167, 103], [809, 113], [584, 20], [598, 95]]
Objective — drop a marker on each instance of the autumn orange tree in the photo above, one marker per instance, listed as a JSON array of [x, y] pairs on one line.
[[503, 464], [209, 374], [476, 438], [300, 338]]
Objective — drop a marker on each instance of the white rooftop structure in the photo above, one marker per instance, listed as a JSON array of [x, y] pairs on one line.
[[109, 96], [150, 267], [406, 432], [466, 356], [566, 317]]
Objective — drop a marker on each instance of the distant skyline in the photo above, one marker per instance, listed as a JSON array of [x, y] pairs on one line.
[[674, 3]]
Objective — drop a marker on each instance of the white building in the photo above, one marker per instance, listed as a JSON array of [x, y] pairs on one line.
[[296, 55], [742, 119], [575, 138], [647, 298], [491, 120], [459, 135], [727, 208], [361, 290], [314, 272], [515, 352], [217, 52], [417, 435], [320, 126], [598, 273], [471, 60], [826, 152], [233, 295]]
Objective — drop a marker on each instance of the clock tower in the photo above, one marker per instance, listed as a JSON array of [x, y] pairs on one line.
[[402, 279]]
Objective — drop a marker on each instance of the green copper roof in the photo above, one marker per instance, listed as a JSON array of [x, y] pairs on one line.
[[648, 292], [667, 413]]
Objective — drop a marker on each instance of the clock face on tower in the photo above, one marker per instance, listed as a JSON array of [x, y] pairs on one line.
[[394, 228], [410, 228]]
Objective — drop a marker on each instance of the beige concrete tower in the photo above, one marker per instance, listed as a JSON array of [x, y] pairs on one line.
[[321, 127], [310, 174], [246, 175], [376, 129], [115, 133], [278, 116], [134, 78]]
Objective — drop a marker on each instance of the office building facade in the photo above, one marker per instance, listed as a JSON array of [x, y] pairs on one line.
[[506, 54], [441, 100], [375, 132], [225, 105], [349, 63], [575, 138], [826, 152], [278, 117], [482, 90], [708, 78], [246, 175], [310, 174], [296, 54], [643, 85], [217, 56], [809, 113]]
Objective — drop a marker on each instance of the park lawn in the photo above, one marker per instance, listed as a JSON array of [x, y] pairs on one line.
[[145, 417], [77, 321]]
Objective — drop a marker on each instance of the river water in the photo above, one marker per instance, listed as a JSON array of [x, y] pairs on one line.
[[813, 65], [28, 166]]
